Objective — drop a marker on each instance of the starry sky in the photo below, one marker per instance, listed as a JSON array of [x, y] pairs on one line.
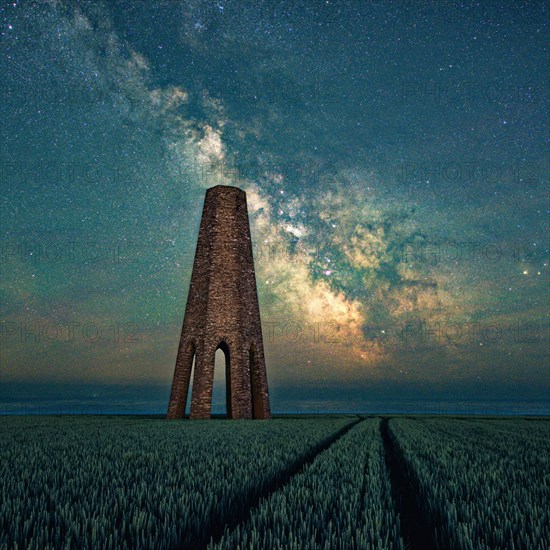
[[394, 156]]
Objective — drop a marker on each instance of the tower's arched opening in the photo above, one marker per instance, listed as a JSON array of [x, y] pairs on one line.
[[190, 390], [221, 391]]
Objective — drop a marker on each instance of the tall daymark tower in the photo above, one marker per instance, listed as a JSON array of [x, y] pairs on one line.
[[222, 313]]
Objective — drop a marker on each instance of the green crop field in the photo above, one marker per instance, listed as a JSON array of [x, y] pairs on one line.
[[482, 484], [342, 500], [318, 482]]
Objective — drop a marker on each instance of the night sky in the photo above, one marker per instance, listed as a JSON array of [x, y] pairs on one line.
[[394, 155]]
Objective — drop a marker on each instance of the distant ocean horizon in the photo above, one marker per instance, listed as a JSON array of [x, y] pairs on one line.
[[431, 407]]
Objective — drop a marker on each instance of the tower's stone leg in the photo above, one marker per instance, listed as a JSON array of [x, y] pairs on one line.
[[240, 385], [182, 376], [201, 400], [258, 383]]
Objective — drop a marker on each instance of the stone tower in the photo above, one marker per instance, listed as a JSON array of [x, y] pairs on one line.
[[222, 312]]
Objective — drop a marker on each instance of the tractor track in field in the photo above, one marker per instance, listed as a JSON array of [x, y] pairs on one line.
[[215, 531], [416, 531]]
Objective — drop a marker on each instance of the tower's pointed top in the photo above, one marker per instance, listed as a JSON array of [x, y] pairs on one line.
[[224, 188]]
